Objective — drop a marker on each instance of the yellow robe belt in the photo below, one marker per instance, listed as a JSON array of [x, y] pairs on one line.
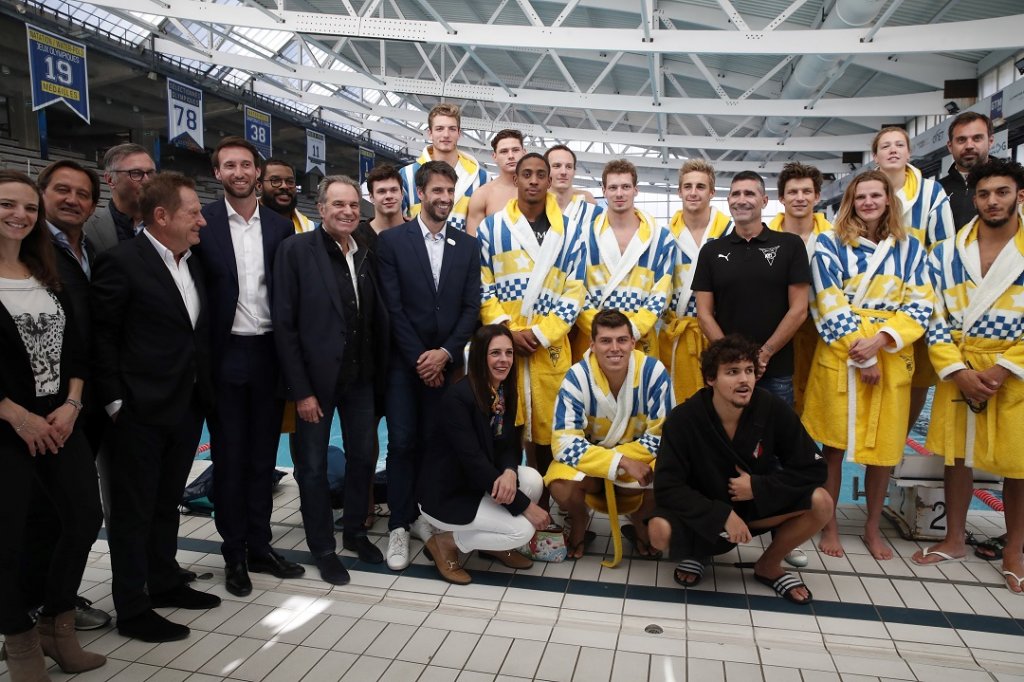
[[847, 385], [980, 354]]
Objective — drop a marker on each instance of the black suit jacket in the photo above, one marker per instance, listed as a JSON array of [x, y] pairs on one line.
[[309, 324], [217, 255], [424, 317], [76, 288], [18, 382], [146, 352], [464, 459]]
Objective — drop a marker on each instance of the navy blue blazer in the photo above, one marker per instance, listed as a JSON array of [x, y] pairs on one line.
[[424, 317], [309, 322], [465, 458], [217, 256]]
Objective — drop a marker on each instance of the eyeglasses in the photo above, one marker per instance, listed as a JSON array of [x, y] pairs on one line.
[[277, 182], [135, 173], [976, 408]]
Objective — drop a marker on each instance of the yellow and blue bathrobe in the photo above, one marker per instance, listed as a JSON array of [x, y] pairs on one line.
[[470, 176], [860, 290], [637, 281], [925, 208], [680, 341], [991, 309], [594, 429], [535, 287], [805, 341], [580, 212]]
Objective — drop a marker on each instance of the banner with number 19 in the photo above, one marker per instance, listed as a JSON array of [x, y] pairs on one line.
[[57, 68]]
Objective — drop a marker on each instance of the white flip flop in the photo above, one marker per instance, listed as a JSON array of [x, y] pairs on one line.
[[1016, 577], [943, 558]]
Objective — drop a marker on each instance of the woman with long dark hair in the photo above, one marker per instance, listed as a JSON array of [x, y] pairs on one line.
[[474, 487], [871, 301], [40, 400]]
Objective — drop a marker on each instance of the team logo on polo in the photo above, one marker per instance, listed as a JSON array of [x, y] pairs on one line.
[[769, 254]]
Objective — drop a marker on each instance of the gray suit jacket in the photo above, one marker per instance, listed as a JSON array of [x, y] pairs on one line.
[[100, 230]]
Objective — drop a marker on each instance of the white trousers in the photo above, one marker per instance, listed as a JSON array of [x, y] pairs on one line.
[[494, 528]]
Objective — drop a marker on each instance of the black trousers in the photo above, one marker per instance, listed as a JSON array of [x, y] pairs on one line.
[[68, 479], [148, 469], [354, 404], [43, 522], [413, 410], [244, 434]]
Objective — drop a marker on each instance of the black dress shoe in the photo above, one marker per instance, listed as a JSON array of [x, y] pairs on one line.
[[150, 626], [332, 570], [184, 597], [236, 579], [276, 565], [361, 545]]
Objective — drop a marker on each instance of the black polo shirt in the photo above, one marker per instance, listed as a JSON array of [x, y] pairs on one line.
[[750, 281]]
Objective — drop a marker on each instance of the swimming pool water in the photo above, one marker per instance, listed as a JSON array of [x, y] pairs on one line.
[[850, 469]]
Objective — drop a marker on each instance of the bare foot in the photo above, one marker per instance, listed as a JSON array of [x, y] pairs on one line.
[[830, 544], [953, 549], [877, 545], [577, 533]]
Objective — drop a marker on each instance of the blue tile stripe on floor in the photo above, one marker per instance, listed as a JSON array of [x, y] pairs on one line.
[[727, 600]]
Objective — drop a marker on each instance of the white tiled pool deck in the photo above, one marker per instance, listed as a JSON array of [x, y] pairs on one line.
[[577, 620]]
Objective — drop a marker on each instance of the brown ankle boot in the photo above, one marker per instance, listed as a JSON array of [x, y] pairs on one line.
[[59, 641], [24, 658]]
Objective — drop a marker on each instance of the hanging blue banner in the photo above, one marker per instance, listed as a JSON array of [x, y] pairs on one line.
[[58, 72], [367, 159], [257, 130]]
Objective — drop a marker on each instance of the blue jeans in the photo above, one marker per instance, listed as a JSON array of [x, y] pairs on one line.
[[781, 387], [358, 428], [412, 412]]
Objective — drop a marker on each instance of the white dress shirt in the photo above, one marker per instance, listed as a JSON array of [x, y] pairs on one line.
[[435, 249], [181, 275], [252, 311]]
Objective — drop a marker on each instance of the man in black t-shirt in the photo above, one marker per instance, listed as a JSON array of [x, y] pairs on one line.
[[754, 281]]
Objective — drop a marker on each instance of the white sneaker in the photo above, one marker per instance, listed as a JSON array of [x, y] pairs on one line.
[[422, 529], [796, 558], [398, 549]]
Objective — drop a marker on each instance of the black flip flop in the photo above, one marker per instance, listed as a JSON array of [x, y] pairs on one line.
[[784, 586], [994, 545], [629, 532], [691, 566]]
